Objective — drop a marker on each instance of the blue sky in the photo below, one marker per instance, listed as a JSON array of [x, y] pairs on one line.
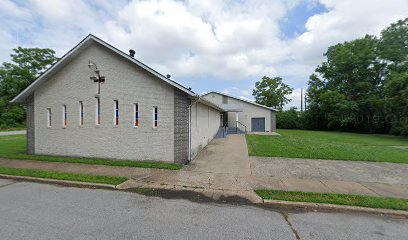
[[293, 24], [207, 45]]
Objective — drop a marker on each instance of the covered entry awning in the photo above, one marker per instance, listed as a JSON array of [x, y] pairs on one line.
[[231, 107]]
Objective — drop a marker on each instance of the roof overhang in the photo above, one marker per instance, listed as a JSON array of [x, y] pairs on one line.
[[20, 98], [232, 108], [210, 104], [240, 99]]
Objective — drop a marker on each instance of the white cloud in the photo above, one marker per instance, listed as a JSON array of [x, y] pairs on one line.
[[345, 20], [232, 40]]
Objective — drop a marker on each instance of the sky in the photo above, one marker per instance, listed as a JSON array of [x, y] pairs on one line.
[[224, 45]]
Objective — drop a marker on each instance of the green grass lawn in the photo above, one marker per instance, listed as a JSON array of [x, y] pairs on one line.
[[14, 147], [63, 176], [329, 145], [332, 198]]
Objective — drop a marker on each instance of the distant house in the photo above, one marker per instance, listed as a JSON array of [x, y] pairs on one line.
[[98, 101]]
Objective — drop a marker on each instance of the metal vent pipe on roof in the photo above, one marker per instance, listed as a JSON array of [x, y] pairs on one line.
[[132, 53]]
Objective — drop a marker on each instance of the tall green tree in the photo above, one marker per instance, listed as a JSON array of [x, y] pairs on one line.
[[393, 45], [347, 88], [272, 92], [396, 89], [393, 48], [25, 66], [363, 84]]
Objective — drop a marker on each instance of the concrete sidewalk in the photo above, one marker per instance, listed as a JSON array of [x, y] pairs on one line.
[[223, 169], [8, 133], [215, 184], [340, 170]]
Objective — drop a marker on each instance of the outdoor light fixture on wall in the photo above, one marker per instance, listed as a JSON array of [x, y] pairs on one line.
[[97, 77]]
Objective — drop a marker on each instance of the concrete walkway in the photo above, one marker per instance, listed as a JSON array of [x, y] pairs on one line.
[[223, 155], [7, 133]]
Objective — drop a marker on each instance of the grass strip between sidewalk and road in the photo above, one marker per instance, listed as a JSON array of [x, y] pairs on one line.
[[14, 147], [333, 198], [113, 180]]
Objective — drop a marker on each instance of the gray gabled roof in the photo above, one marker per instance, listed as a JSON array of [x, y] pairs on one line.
[[75, 51], [240, 99]]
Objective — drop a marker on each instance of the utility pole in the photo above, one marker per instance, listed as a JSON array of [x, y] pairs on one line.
[[301, 100], [305, 102]]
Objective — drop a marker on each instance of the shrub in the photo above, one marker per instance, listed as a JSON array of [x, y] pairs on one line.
[[287, 119]]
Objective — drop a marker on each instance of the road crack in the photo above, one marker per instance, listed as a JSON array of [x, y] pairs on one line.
[[8, 184], [286, 217]]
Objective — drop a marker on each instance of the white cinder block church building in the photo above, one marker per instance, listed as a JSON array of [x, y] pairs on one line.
[[97, 101]]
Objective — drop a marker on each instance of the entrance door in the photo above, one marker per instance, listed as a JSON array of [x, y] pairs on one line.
[[258, 124], [224, 119]]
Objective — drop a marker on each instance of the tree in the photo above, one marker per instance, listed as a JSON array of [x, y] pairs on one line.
[[396, 90], [26, 64], [393, 48], [346, 90], [272, 92], [363, 85], [393, 45]]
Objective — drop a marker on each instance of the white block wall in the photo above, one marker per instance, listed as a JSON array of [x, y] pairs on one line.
[[124, 82], [249, 111], [205, 122]]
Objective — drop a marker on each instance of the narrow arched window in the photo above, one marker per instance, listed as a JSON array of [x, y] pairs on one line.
[[98, 112], [64, 115], [116, 113], [155, 117], [48, 117], [136, 115]]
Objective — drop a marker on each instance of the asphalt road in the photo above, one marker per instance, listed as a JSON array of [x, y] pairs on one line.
[[42, 211]]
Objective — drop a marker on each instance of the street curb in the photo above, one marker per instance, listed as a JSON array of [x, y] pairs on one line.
[[335, 207], [60, 182], [265, 202]]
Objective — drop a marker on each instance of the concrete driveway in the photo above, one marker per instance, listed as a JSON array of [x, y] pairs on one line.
[[353, 171]]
